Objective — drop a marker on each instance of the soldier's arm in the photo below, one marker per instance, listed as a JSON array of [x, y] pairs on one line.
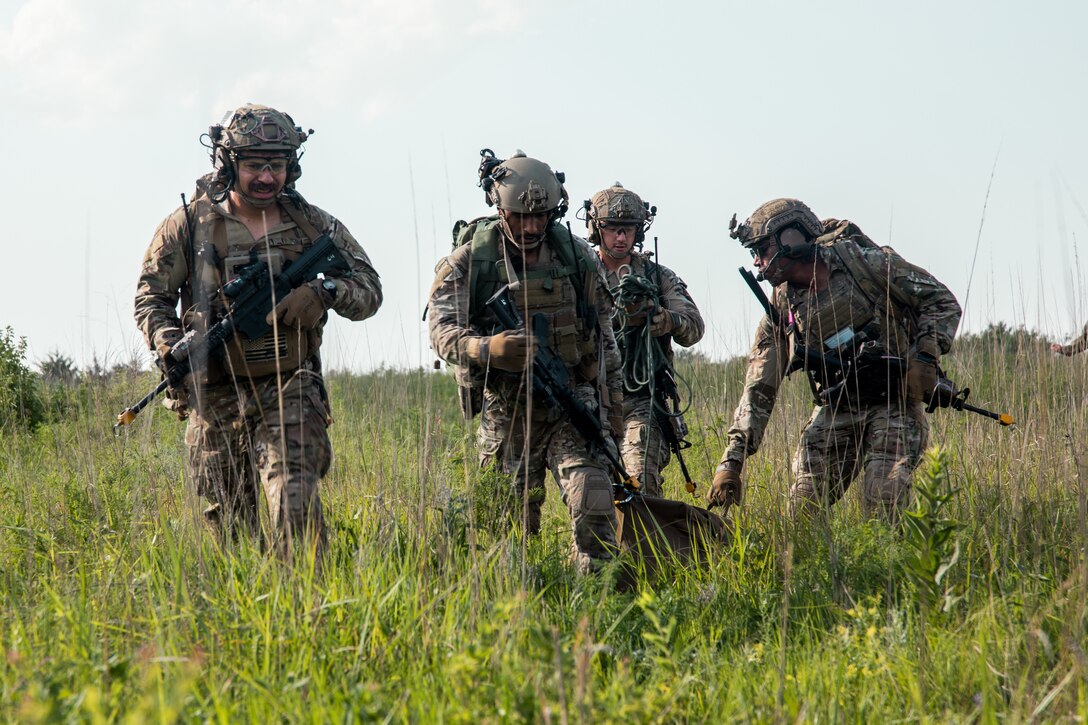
[[767, 363], [447, 309], [675, 298], [162, 275], [358, 295], [938, 312], [1077, 346]]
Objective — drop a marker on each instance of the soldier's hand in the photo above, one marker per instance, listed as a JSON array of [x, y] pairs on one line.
[[921, 375], [727, 488], [664, 322], [303, 308], [164, 344], [508, 351]]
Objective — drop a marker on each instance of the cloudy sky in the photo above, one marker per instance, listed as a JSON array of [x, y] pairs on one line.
[[896, 116]]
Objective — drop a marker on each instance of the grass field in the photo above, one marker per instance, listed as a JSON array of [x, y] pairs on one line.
[[118, 606]]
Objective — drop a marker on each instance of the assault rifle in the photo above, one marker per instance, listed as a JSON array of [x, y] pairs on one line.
[[252, 292], [666, 408], [865, 353], [551, 386]]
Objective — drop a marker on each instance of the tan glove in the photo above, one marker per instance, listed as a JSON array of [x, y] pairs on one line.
[[164, 344], [508, 351], [727, 488], [303, 308], [664, 322], [922, 371]]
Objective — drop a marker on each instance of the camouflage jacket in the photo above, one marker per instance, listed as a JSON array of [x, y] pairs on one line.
[[168, 274], [674, 297], [451, 327], [1077, 346], [934, 317]]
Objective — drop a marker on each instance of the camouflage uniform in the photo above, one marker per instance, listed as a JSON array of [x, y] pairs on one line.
[[1077, 346], [518, 434], [644, 449], [872, 429], [249, 430]]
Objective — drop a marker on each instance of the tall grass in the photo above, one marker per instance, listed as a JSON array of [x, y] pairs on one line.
[[120, 606]]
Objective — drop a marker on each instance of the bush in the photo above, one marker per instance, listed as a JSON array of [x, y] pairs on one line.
[[21, 404]]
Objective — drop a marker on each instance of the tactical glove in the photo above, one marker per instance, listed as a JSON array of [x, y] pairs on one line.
[[727, 488], [922, 371], [164, 343], [508, 351], [303, 308], [664, 322]]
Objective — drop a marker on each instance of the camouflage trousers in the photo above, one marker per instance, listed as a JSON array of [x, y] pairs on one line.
[[527, 447], [644, 450], [263, 435], [883, 443]]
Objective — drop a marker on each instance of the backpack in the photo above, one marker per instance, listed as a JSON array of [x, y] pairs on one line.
[[876, 285]]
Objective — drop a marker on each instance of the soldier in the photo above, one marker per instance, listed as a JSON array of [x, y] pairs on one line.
[[837, 294], [550, 273], [653, 297], [257, 412], [1074, 348]]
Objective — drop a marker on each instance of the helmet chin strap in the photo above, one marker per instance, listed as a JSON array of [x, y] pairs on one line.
[[509, 234]]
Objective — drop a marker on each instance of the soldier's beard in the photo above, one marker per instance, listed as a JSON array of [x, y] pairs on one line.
[[523, 242]]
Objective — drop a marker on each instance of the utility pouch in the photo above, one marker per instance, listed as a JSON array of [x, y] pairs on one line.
[[269, 354]]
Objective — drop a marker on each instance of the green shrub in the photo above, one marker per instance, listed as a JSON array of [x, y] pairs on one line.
[[21, 404]]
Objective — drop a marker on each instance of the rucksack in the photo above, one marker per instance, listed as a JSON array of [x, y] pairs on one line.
[[876, 285]]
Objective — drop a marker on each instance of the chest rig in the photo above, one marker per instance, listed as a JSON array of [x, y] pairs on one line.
[[861, 341], [554, 287], [219, 256]]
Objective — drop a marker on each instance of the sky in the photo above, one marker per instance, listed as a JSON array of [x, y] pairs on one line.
[[953, 131]]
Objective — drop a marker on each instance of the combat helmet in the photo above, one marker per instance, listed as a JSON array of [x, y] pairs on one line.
[[253, 127], [617, 204], [773, 217], [522, 185]]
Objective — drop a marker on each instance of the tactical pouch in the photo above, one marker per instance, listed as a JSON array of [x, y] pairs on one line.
[[269, 354]]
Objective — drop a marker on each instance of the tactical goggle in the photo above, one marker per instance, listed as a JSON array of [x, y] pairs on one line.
[[256, 165], [617, 226], [760, 249]]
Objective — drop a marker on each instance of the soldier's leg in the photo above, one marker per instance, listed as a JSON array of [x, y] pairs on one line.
[[644, 450], [587, 492], [219, 465], [500, 440], [895, 438], [826, 460], [292, 451]]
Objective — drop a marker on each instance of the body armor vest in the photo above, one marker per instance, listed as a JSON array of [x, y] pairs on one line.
[[842, 321], [218, 260], [555, 288]]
